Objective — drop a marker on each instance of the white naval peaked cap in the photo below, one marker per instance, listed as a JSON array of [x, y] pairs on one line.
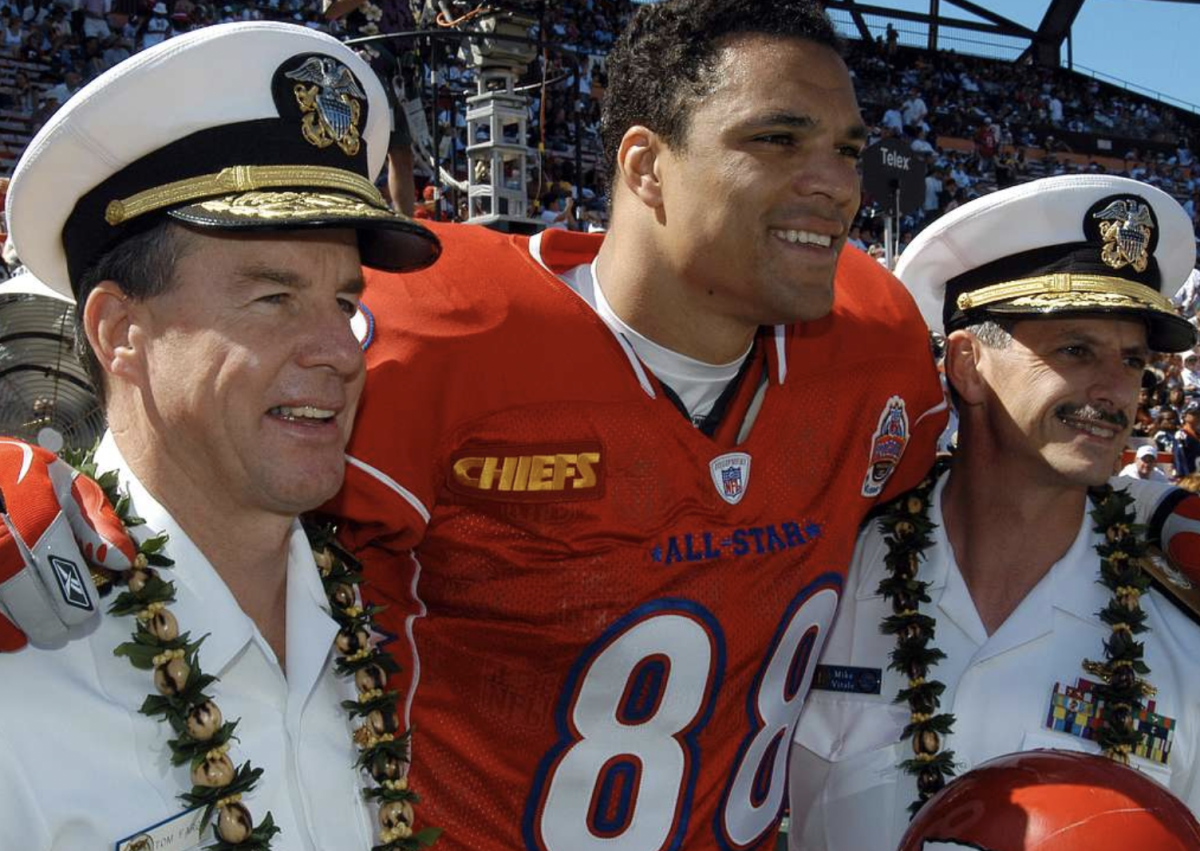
[[1066, 245], [242, 126]]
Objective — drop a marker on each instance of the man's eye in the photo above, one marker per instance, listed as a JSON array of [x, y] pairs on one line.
[[348, 306], [852, 151], [776, 139], [273, 298]]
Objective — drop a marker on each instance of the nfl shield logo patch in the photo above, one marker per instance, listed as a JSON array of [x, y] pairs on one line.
[[731, 475]]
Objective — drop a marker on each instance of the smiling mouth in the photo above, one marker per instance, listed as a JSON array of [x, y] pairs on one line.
[[1095, 428], [302, 414], [802, 237]]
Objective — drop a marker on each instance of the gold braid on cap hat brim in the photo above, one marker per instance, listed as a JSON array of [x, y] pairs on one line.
[[1067, 288], [241, 178]]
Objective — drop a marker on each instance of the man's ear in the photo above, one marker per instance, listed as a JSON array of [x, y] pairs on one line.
[[638, 164], [110, 322], [963, 353]]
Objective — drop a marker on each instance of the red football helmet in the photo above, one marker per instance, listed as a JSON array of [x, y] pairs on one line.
[[1048, 800]]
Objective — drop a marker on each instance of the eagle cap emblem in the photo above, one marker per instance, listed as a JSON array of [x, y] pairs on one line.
[[331, 103], [1126, 225]]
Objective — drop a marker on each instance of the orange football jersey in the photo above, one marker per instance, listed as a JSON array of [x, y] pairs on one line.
[[608, 620]]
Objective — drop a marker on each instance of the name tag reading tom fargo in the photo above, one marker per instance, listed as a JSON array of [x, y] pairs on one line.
[[178, 833]]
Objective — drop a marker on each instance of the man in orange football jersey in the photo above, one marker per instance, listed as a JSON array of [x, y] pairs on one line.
[[609, 489]]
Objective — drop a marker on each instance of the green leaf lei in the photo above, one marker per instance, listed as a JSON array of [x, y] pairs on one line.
[[202, 738], [905, 522]]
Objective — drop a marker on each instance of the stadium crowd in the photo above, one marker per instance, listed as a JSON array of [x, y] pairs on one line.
[[980, 124]]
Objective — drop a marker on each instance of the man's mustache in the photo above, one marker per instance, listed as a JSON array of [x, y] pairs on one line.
[[1091, 412]]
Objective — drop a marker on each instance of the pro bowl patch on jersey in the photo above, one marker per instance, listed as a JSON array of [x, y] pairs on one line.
[[731, 475], [887, 447], [529, 473]]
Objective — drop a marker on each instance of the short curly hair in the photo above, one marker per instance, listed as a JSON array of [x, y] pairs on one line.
[[665, 60]]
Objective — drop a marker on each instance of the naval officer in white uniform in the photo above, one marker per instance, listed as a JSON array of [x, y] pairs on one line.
[[1053, 294], [209, 204]]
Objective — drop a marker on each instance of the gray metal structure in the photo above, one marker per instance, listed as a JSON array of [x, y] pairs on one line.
[[1045, 43]]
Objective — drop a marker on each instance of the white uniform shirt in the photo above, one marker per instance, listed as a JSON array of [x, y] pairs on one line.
[[81, 768], [848, 794]]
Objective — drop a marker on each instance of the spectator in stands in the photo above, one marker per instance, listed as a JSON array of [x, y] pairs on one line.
[[426, 200], [893, 121], [1005, 170], [1143, 420], [959, 173], [94, 63], [1175, 402], [558, 211], [914, 109], [1190, 375], [961, 197], [37, 46], [1145, 466], [14, 35], [156, 28], [987, 143], [1187, 441], [1166, 425], [95, 18], [1189, 294], [920, 144], [933, 192], [1054, 108], [23, 96], [118, 49], [72, 82], [58, 25]]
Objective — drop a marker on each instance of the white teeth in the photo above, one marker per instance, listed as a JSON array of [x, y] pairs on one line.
[[1094, 429], [304, 412], [803, 237]]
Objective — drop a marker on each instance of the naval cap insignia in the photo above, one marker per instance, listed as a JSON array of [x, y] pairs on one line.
[[331, 102], [1126, 226]]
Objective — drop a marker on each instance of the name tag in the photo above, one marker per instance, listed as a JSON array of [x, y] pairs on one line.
[[178, 833], [848, 679]]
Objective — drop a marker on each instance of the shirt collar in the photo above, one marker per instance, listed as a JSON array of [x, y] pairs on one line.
[[205, 606], [1070, 585]]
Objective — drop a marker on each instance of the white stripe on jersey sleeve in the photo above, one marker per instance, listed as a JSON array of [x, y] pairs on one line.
[[380, 476]]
